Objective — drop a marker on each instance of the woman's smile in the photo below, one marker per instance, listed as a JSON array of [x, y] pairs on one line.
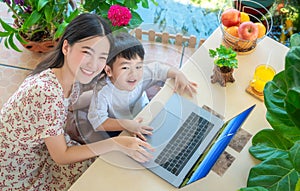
[[87, 72]]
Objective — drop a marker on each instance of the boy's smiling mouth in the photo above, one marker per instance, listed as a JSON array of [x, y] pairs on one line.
[[131, 81]]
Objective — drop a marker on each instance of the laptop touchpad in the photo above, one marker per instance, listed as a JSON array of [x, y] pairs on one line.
[[162, 132]]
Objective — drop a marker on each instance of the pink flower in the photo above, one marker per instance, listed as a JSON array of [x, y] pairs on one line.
[[119, 15]]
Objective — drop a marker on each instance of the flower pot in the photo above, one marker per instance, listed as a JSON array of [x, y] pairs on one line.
[[222, 75], [40, 47]]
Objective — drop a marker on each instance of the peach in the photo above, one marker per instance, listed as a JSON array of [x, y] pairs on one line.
[[261, 30], [233, 30]]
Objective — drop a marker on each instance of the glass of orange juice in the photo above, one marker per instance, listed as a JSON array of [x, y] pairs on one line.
[[263, 73]]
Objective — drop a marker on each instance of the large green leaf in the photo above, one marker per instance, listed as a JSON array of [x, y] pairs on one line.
[[136, 20], [20, 39], [256, 188], [120, 2], [4, 34], [268, 143], [6, 43], [73, 14], [298, 186], [33, 19], [282, 97], [60, 30], [130, 4], [145, 4], [7, 27], [295, 40], [280, 171], [12, 44], [292, 78], [154, 2], [41, 4], [48, 11], [295, 155], [292, 67], [292, 105], [275, 174], [277, 115]]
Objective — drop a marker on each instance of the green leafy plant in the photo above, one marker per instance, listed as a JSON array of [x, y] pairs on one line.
[[279, 147], [102, 8], [224, 57], [36, 20]]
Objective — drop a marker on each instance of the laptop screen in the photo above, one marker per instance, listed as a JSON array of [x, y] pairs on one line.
[[229, 130]]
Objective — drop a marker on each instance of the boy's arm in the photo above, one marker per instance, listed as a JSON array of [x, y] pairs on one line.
[[133, 126], [98, 110], [173, 72], [182, 84], [157, 71]]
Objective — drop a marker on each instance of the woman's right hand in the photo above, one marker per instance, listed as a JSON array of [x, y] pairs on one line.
[[133, 147]]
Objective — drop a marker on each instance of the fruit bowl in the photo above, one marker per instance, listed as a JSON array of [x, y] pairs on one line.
[[256, 13]]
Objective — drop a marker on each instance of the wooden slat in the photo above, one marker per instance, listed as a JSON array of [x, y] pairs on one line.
[[179, 38], [151, 35], [165, 38]]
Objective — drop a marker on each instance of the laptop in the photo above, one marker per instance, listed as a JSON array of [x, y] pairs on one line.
[[188, 140]]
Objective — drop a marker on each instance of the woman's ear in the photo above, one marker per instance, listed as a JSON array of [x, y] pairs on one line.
[[65, 47], [108, 70]]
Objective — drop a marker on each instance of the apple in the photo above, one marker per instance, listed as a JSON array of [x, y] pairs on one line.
[[230, 17], [248, 31]]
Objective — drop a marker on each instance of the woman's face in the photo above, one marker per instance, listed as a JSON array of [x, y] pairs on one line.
[[86, 58]]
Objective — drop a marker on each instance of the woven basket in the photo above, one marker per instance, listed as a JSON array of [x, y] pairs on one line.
[[256, 15]]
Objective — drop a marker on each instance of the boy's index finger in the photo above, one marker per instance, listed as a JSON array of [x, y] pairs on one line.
[[146, 145], [148, 128]]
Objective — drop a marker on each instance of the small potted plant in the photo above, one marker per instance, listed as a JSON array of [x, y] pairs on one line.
[[225, 61]]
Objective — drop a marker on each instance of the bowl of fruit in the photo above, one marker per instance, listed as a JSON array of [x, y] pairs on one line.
[[244, 25]]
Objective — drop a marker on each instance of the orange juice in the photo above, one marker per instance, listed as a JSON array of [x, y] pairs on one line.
[[262, 74]]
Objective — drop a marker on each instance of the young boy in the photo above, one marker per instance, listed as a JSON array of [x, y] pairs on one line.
[[114, 106]]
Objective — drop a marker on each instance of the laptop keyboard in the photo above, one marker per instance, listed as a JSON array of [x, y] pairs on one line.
[[182, 146]]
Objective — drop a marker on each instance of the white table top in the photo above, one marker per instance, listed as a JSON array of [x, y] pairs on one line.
[[115, 171]]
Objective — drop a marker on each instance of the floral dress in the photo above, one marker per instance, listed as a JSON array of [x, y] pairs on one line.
[[35, 111]]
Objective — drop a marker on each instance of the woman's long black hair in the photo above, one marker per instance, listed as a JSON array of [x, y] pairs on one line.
[[83, 26]]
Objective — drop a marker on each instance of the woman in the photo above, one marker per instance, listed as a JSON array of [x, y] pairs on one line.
[[35, 151]]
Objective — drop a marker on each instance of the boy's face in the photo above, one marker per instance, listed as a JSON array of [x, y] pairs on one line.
[[126, 74]]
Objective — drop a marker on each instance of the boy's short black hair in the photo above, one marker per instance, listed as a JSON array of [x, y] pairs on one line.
[[126, 46]]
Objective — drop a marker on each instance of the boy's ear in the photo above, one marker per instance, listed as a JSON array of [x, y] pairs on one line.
[[108, 71]]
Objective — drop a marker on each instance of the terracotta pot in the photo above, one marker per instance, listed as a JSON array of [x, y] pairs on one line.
[[43, 46], [40, 47], [222, 76]]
